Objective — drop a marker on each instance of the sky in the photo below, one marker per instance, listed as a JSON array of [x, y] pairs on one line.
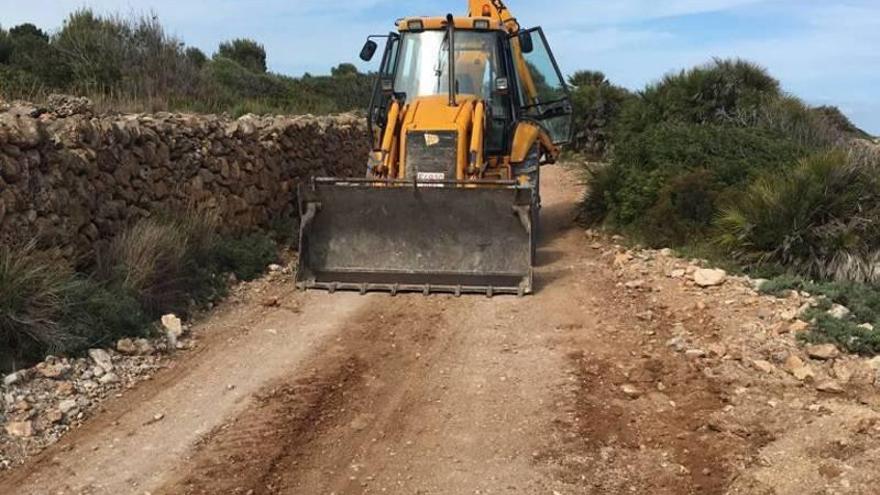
[[825, 51]]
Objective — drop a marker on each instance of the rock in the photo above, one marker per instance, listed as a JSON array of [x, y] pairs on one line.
[[705, 277], [20, 429], [667, 253], [635, 284], [762, 365], [677, 343], [855, 372], [646, 315], [867, 326], [631, 391], [108, 379], [66, 406], [54, 416], [173, 329], [102, 359], [839, 312], [823, 352], [271, 302], [805, 307], [144, 347], [798, 326], [758, 283], [679, 273], [717, 350], [621, 259], [51, 371], [172, 324], [11, 379], [797, 368], [789, 315], [65, 389], [275, 268], [695, 353], [127, 347], [829, 386], [803, 373]]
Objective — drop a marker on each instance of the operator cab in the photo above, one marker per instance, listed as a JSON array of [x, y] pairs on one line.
[[415, 65]]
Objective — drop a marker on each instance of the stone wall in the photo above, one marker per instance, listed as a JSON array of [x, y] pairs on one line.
[[75, 180]]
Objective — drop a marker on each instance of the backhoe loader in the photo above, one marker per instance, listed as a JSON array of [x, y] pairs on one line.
[[465, 110]]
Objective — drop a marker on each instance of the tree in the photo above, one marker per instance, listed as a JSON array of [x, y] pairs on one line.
[[588, 78], [343, 70], [247, 53], [28, 29], [5, 46], [196, 57], [597, 104]]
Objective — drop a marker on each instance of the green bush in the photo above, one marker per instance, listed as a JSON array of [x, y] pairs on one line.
[[596, 103], [721, 92], [820, 218], [131, 63], [247, 256], [246, 53], [34, 291], [668, 180]]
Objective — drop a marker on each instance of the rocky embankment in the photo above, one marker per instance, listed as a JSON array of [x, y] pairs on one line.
[[74, 179], [792, 415], [39, 405]]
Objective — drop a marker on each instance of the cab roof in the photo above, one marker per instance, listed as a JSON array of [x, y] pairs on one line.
[[464, 23]]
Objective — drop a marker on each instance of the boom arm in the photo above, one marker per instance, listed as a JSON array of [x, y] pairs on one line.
[[496, 10]]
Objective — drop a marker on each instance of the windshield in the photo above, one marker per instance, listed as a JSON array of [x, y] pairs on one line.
[[423, 68]]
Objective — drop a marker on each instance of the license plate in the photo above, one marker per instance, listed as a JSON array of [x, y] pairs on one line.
[[431, 176]]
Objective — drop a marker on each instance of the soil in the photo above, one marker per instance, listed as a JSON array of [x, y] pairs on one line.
[[614, 378]]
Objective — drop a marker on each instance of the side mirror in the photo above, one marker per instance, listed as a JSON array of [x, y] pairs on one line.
[[502, 85], [525, 42], [369, 50]]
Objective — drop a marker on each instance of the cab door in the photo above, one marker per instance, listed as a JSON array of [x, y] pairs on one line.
[[378, 112], [542, 91]]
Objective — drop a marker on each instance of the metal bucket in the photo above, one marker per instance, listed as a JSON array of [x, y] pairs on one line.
[[400, 236]]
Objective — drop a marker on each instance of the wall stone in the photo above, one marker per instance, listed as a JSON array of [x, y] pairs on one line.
[[74, 180]]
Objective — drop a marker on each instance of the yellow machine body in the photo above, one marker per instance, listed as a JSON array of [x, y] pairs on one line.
[[465, 111]]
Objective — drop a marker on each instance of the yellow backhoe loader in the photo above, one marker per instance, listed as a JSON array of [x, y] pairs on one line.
[[465, 110]]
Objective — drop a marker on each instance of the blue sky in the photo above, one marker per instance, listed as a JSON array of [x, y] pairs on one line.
[[827, 52]]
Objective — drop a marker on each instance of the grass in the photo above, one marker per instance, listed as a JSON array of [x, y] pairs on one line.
[[157, 266]]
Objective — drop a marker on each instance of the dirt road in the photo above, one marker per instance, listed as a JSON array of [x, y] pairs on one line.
[[573, 390]]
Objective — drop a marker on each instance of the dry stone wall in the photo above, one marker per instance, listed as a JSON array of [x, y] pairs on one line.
[[74, 180]]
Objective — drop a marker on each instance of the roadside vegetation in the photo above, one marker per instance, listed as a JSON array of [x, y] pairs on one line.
[[158, 266], [718, 160], [132, 64]]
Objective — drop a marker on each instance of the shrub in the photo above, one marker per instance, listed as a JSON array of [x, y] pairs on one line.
[[247, 256], [596, 103], [246, 53], [821, 218], [655, 174], [33, 293], [723, 91], [162, 262]]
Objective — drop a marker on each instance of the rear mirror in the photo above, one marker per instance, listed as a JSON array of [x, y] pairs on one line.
[[369, 50], [525, 42]]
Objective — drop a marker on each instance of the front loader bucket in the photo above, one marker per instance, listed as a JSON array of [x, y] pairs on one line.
[[399, 236]]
